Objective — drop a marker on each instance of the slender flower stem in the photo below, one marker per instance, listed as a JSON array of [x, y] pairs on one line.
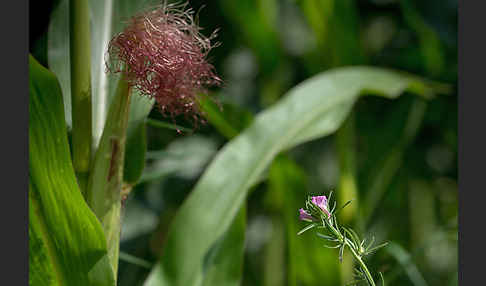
[[318, 209], [361, 263], [80, 53], [351, 246]]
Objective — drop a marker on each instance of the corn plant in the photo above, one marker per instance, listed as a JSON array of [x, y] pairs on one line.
[[87, 143]]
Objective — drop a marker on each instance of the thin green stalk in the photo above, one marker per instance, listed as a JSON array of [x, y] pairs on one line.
[[343, 240], [361, 263], [106, 179], [80, 53]]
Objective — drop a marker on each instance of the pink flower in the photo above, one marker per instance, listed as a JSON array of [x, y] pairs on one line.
[[321, 202], [305, 215], [162, 54]]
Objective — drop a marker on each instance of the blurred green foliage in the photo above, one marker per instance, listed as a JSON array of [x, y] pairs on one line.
[[403, 151]]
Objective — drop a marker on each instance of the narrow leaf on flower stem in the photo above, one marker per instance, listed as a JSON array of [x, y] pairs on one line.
[[374, 249], [382, 279], [347, 203], [310, 226], [353, 235], [325, 236], [335, 246], [371, 243], [341, 252]]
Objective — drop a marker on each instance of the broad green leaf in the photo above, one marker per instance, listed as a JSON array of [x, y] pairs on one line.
[[227, 266], [224, 264], [312, 109], [66, 241]]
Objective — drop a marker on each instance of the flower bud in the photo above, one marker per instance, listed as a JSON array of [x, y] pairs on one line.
[[321, 202], [304, 215]]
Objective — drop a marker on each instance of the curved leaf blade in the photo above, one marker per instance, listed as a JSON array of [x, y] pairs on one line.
[[226, 265], [310, 110], [66, 242]]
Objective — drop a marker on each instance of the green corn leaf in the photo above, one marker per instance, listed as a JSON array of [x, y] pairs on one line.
[[227, 267], [66, 241], [312, 109], [226, 264]]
